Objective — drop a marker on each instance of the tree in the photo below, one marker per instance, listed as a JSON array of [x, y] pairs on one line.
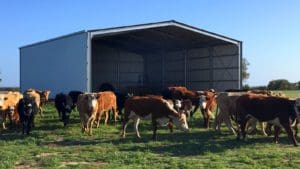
[[245, 73], [280, 84]]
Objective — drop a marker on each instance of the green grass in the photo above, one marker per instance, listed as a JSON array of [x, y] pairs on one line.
[[50, 145], [292, 93]]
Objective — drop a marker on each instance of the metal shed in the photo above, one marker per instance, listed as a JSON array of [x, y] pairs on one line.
[[151, 56]]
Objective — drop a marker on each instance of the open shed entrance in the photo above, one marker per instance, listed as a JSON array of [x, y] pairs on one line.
[[158, 57]]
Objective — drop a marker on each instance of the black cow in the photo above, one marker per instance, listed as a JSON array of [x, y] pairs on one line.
[[63, 104], [27, 109], [74, 95], [121, 98]]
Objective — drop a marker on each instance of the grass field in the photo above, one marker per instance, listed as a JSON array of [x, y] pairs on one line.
[[52, 146]]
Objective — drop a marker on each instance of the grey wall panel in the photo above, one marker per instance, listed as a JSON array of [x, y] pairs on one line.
[[115, 66], [58, 65], [225, 50], [200, 75], [153, 74], [174, 76], [197, 63], [221, 86], [226, 74], [174, 68], [225, 61], [196, 53], [131, 67], [198, 85]]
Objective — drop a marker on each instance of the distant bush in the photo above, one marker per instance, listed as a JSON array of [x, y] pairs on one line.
[[9, 89], [246, 87], [281, 84], [259, 88]]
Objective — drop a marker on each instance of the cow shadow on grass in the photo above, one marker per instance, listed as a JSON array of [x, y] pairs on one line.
[[64, 143], [16, 134], [185, 144]]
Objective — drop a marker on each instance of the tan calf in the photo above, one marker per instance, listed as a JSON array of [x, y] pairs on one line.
[[87, 106], [106, 101]]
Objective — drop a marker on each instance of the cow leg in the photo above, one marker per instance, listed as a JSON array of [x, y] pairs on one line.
[[136, 126], [106, 116], [154, 124], [291, 134], [3, 120], [60, 115], [263, 126], [28, 126], [217, 123], [90, 124], [195, 109], [296, 129], [242, 131], [276, 134], [170, 126], [268, 129], [41, 112], [99, 115], [229, 125], [115, 112], [206, 119], [125, 122]]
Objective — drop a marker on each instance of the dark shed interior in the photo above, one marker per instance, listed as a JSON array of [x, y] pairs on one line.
[[153, 58]]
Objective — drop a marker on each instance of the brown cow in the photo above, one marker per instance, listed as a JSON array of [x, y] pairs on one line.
[[8, 107], [275, 110], [156, 109], [87, 106], [226, 109], [208, 104], [182, 93], [40, 97], [106, 101]]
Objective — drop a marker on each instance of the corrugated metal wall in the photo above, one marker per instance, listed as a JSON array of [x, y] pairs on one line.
[[58, 65], [198, 69], [120, 68]]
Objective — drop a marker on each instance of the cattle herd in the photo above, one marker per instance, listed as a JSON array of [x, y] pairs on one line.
[[176, 105]]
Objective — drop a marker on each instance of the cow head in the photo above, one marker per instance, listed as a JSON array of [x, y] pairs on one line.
[[66, 114], [91, 99], [202, 101], [45, 95], [11, 110], [177, 104], [181, 122], [2, 100], [297, 107], [28, 108]]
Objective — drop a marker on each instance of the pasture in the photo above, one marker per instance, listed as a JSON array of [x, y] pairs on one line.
[[50, 145]]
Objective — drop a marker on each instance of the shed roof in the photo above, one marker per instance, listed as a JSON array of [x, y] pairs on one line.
[[172, 30], [158, 25]]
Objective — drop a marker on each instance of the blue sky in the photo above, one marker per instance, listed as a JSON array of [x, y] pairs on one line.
[[269, 29]]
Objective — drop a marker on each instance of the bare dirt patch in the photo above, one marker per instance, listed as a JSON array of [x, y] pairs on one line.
[[75, 163], [46, 154], [22, 165]]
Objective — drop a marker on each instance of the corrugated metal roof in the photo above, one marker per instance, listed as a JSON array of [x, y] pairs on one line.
[[122, 29], [117, 30]]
